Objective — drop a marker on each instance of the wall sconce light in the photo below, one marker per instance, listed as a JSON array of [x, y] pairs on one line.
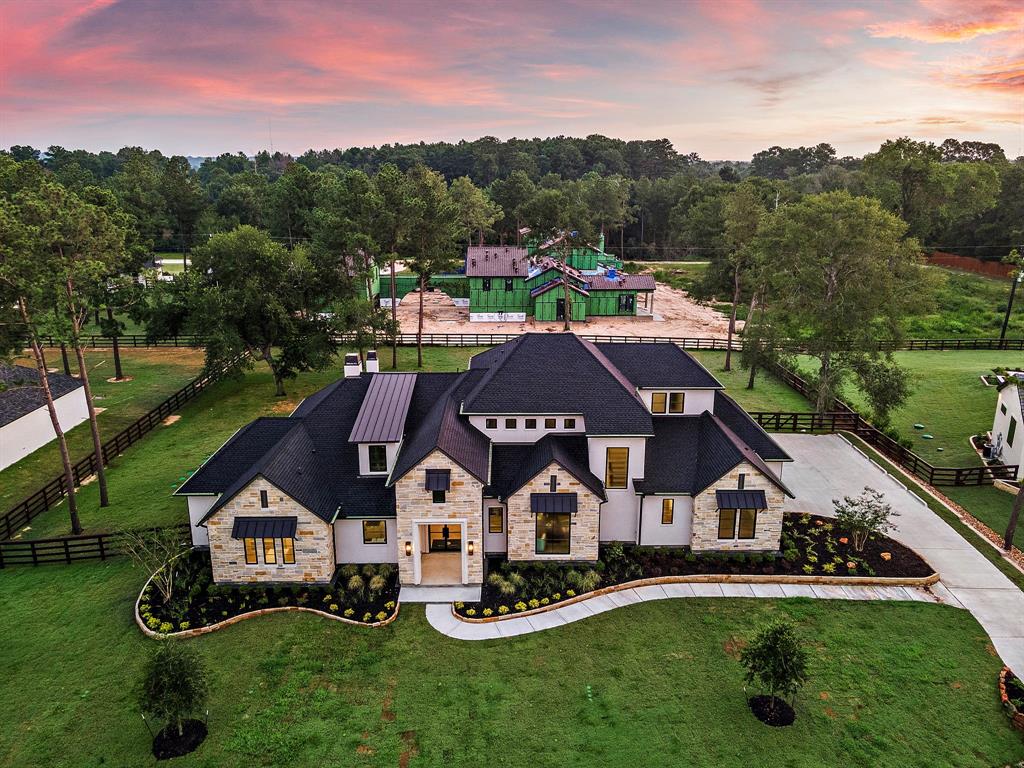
[[470, 548], [408, 549]]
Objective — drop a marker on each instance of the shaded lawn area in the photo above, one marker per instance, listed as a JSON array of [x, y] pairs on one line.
[[768, 394], [948, 398], [988, 504], [142, 479], [966, 305], [892, 684], [157, 374]]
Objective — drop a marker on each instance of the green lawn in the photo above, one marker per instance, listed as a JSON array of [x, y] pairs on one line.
[[948, 398], [988, 504], [892, 684], [683, 275], [768, 394], [157, 373]]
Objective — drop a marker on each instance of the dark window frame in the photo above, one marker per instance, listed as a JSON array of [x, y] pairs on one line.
[[550, 423], [511, 423], [673, 397], [608, 465], [438, 497], [543, 516], [659, 407], [255, 551], [384, 528], [272, 560], [509, 285], [369, 457], [569, 424], [288, 551], [1011, 432], [530, 423], [486, 284], [668, 506], [264, 499], [753, 524], [627, 302], [741, 481], [1002, 408], [491, 517], [490, 423], [732, 528]]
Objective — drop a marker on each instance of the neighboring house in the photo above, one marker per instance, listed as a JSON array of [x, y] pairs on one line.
[[511, 283], [546, 447], [24, 420], [1006, 440]]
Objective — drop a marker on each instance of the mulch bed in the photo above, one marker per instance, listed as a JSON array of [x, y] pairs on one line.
[[198, 602], [811, 546], [781, 714], [169, 743]]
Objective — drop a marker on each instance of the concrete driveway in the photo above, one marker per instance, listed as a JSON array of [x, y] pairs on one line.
[[826, 467]]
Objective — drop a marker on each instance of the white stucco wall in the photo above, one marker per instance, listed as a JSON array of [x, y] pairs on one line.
[[198, 506], [654, 534], [34, 430], [695, 403], [495, 543], [349, 546], [1009, 397], [523, 435], [619, 513]]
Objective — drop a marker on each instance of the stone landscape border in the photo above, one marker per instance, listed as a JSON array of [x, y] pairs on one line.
[[248, 615], [716, 578], [1015, 715]]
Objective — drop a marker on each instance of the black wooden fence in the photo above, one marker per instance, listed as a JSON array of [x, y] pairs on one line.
[[54, 491], [66, 549]]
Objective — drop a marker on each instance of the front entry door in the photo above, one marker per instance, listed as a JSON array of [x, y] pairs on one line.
[[560, 309], [444, 538]]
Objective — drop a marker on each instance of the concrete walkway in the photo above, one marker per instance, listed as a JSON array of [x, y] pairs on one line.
[[441, 618]]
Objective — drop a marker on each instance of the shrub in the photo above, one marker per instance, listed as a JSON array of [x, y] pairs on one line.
[[333, 607], [570, 593], [791, 555], [690, 557], [776, 659], [369, 571], [533, 603], [166, 627], [828, 568], [386, 570], [183, 626], [471, 611], [348, 571], [864, 515], [349, 612], [544, 601], [520, 606], [459, 604], [382, 615], [390, 605], [357, 586], [808, 569], [367, 616], [173, 683], [377, 585], [487, 611], [591, 579], [152, 622], [502, 609], [144, 609]]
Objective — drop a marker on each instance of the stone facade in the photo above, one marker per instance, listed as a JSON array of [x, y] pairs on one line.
[[584, 527], [768, 527], [314, 541], [464, 500]]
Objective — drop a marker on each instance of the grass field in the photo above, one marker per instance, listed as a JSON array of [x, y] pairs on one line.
[[892, 684], [156, 374], [966, 305]]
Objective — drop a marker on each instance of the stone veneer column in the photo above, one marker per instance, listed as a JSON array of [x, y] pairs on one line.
[[522, 524], [768, 530], [463, 500]]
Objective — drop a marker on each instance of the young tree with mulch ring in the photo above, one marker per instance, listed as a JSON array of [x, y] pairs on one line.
[[776, 660], [864, 515], [174, 688]]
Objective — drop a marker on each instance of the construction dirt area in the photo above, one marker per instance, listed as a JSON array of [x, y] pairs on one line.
[[675, 314]]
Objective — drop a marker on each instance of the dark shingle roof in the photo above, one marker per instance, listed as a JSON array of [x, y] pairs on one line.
[[558, 373], [515, 464], [495, 261], [689, 453], [659, 365], [748, 430], [381, 417], [238, 454], [558, 282], [621, 282], [20, 393]]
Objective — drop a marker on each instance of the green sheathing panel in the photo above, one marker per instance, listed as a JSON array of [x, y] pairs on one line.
[[498, 299], [546, 306], [606, 303], [407, 282]]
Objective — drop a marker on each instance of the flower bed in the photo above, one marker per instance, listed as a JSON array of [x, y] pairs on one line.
[[1011, 693], [812, 547], [365, 594]]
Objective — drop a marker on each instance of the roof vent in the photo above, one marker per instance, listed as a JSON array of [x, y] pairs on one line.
[[372, 363], [352, 367]]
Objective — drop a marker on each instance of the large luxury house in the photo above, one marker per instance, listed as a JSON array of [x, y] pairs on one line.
[[547, 447]]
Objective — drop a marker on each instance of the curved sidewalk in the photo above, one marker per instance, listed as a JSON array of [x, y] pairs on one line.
[[441, 618]]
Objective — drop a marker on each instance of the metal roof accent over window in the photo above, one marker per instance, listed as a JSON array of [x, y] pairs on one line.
[[438, 479], [550, 503], [381, 417], [741, 500], [264, 528]]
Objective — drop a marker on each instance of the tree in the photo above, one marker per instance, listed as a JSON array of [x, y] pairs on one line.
[[184, 199], [250, 297], [841, 276], [511, 194], [291, 203], [153, 552], [776, 659], [174, 684], [743, 212], [864, 516], [884, 383], [477, 212], [433, 235]]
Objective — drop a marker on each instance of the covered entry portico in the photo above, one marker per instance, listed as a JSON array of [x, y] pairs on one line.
[[441, 552]]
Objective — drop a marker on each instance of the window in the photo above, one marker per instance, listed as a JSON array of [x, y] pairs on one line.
[[626, 302], [727, 523], [437, 497], [269, 552], [616, 467], [250, 552], [510, 423], [378, 458], [1002, 409], [676, 402], [553, 483], [288, 551], [553, 533], [659, 402], [748, 523], [550, 423], [495, 520], [1011, 431], [376, 531], [491, 423], [487, 284], [508, 284], [569, 423], [742, 481], [531, 423], [264, 500], [668, 510]]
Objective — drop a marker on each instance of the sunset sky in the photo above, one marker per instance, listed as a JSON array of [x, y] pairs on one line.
[[722, 78]]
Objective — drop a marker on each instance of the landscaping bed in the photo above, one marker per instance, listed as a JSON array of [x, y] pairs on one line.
[[812, 546], [1011, 693], [366, 594]]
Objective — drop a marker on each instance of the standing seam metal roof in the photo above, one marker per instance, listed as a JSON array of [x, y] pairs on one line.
[[381, 417]]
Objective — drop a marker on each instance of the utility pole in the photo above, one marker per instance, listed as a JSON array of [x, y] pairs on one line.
[[1012, 258]]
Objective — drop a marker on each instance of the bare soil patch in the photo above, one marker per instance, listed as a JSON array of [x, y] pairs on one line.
[[172, 419]]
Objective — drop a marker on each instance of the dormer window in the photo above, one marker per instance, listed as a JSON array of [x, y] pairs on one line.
[[550, 423], [438, 481], [659, 402], [491, 423], [676, 402], [378, 458]]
